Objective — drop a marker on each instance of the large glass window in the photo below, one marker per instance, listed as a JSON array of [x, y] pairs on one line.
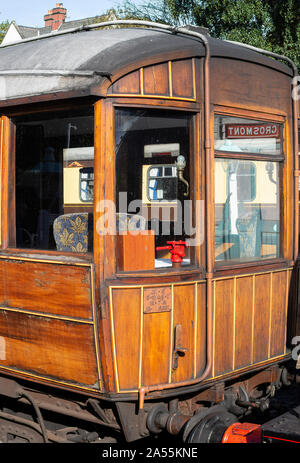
[[54, 181], [247, 196], [153, 183]]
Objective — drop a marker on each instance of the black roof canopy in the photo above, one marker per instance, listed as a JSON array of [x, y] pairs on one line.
[[78, 62]]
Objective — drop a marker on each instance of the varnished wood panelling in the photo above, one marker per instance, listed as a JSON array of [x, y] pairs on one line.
[[280, 286], [127, 84], [200, 344], [172, 80], [224, 325], [49, 288], [156, 80], [156, 341], [126, 315], [47, 347], [243, 321], [241, 84], [183, 84], [262, 317], [184, 314]]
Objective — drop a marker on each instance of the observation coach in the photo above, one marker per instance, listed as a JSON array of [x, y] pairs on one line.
[[148, 234]]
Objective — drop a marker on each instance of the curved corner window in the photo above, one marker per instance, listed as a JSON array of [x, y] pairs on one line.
[[247, 195]]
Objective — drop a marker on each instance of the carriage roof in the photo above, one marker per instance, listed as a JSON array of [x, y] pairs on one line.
[[78, 63]]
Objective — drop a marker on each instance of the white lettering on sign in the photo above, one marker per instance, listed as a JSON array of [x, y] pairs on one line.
[[252, 130]]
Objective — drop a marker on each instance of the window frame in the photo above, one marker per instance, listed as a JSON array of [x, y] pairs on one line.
[[9, 245], [225, 266], [195, 129]]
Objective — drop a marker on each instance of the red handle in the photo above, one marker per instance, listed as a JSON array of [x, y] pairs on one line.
[[177, 249]]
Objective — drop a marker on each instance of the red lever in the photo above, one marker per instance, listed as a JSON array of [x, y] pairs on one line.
[[177, 250]]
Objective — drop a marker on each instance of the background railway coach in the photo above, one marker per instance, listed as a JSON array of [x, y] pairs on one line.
[[148, 234]]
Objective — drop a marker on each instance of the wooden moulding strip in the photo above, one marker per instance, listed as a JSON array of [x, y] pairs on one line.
[[253, 314], [195, 329], [141, 336], [138, 95], [234, 322], [46, 379], [171, 335], [45, 261], [112, 331], [47, 315], [194, 79], [95, 323], [1, 174], [214, 330], [286, 306], [270, 313]]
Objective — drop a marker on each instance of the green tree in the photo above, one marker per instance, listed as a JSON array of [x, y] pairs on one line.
[[270, 24], [3, 29]]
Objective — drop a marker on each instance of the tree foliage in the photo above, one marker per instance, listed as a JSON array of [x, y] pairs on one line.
[[270, 24], [3, 29]]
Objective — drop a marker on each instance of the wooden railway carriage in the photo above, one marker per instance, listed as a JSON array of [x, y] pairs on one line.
[[148, 233]]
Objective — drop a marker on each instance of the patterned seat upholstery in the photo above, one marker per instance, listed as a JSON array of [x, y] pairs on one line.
[[71, 232]]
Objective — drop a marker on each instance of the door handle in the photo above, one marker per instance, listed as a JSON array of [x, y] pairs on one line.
[[179, 350]]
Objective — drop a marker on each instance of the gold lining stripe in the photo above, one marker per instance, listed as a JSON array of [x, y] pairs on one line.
[[112, 329], [214, 329], [96, 339], [46, 315], [270, 313], [194, 78], [157, 285], [164, 97], [286, 307], [171, 335], [141, 337], [170, 78], [195, 329], [253, 316], [142, 81], [234, 320], [45, 378]]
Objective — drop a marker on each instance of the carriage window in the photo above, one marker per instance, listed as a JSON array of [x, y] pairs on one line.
[[247, 197], [54, 181], [153, 187], [239, 135]]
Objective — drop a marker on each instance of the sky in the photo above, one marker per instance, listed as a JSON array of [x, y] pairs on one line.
[[31, 12]]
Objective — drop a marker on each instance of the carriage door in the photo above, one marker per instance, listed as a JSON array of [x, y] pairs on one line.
[[157, 236]]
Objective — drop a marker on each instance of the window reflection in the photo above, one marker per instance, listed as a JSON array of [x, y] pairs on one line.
[[247, 213]]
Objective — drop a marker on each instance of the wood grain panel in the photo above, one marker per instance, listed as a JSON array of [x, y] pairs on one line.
[[183, 314], [261, 317], [54, 289], [48, 347], [201, 329], [224, 326], [243, 321], [156, 342], [126, 314], [280, 285], [241, 84], [183, 79], [156, 80], [127, 84]]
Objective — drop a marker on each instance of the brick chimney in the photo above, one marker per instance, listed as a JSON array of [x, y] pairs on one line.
[[55, 17]]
